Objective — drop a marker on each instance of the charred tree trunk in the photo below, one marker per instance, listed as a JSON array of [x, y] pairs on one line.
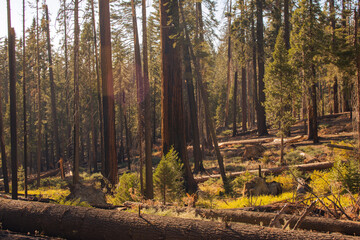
[[172, 112], [52, 90], [149, 191], [261, 58], [3, 150], [108, 93], [235, 104], [286, 24], [254, 50], [358, 71]]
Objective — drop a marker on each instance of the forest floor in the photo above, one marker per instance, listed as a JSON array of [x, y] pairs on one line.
[[333, 187]]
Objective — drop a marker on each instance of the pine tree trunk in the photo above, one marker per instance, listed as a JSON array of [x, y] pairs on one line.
[[24, 107], [228, 76], [261, 58], [286, 24], [254, 63], [38, 155], [3, 150], [149, 191], [235, 104], [358, 70], [244, 98], [76, 96], [98, 85], [52, 90], [13, 129], [172, 112], [108, 93]]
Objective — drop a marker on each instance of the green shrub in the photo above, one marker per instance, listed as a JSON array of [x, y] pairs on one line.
[[239, 182], [294, 157], [128, 188], [168, 180], [348, 174]]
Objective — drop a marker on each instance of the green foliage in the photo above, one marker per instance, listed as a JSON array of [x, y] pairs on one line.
[[281, 87], [294, 157], [348, 174], [322, 182], [168, 180], [239, 182], [128, 188]]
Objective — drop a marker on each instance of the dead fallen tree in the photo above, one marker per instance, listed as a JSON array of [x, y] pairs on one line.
[[340, 147], [276, 170], [265, 218], [87, 223], [248, 141], [50, 173]]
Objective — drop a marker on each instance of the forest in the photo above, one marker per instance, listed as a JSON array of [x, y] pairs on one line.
[[129, 115]]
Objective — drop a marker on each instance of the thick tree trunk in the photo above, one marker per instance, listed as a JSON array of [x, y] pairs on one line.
[[358, 71], [149, 191], [235, 104], [172, 115], [333, 28], [261, 61], [98, 85], [108, 92], [52, 90], [336, 99], [87, 223], [204, 96]]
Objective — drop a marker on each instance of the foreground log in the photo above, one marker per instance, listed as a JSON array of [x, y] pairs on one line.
[[275, 171], [264, 218], [87, 223]]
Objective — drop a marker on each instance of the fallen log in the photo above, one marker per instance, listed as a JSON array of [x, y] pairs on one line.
[[340, 147], [50, 173], [248, 141], [276, 170], [87, 223], [263, 218]]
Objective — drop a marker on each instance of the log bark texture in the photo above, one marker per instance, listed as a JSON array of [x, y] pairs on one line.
[[87, 223]]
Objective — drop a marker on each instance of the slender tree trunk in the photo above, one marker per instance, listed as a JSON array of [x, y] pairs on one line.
[[235, 103], [261, 58], [13, 129], [149, 191], [52, 90], [358, 71], [108, 92], [24, 106], [76, 95], [198, 166], [3, 150], [100, 104], [127, 137], [172, 115], [228, 77], [244, 96], [333, 27], [38, 155], [204, 96], [254, 63], [286, 24], [67, 81], [140, 93]]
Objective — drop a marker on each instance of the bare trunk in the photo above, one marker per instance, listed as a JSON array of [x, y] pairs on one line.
[[24, 107], [244, 98], [98, 85], [108, 92], [261, 60], [235, 104], [228, 77], [149, 191]]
